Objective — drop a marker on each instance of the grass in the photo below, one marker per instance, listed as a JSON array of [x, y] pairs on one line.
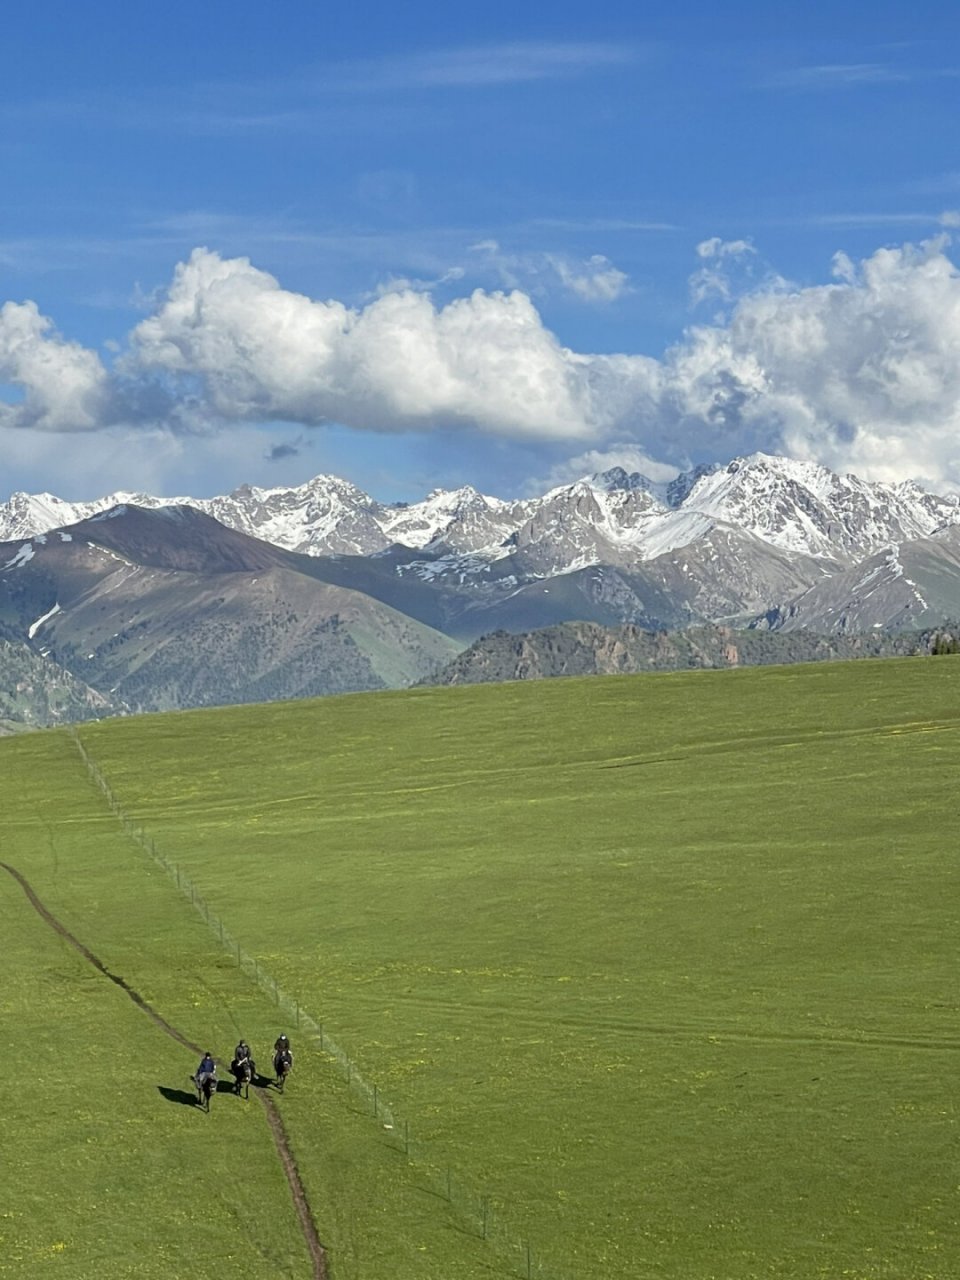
[[109, 1168], [664, 966]]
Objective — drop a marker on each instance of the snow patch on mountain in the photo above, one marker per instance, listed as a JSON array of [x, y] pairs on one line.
[[22, 557], [35, 626]]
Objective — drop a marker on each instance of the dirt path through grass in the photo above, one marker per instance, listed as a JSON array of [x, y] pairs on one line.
[[308, 1226]]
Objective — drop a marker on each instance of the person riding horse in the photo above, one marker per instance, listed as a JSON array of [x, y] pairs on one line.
[[206, 1074], [206, 1069], [243, 1060], [243, 1068], [282, 1057]]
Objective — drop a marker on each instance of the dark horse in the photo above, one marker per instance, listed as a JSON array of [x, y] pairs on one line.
[[282, 1064], [206, 1088], [243, 1072]]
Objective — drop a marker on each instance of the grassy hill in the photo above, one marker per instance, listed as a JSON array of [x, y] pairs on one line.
[[663, 969]]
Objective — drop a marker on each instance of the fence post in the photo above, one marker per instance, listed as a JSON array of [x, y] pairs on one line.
[[529, 1270], [483, 1210], [375, 1107], [406, 1138]]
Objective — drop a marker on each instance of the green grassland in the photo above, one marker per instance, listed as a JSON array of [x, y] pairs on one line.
[[663, 966], [108, 1170]]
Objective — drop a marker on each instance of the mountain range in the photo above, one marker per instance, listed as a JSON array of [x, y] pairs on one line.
[[152, 603]]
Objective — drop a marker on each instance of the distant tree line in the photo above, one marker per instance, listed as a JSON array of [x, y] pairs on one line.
[[944, 642]]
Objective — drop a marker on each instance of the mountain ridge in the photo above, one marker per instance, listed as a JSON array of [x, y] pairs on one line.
[[798, 507], [582, 648], [163, 608], [154, 603]]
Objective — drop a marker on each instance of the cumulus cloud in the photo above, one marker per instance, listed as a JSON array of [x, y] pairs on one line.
[[861, 373], [401, 363], [65, 386]]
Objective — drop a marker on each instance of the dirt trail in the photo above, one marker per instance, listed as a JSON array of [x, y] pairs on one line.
[[318, 1255]]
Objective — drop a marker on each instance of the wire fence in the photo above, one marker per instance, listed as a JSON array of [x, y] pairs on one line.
[[478, 1213]]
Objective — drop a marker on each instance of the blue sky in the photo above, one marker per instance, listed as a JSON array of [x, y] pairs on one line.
[[427, 245]]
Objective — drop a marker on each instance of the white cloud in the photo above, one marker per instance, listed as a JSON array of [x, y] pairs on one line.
[[861, 373], [594, 279], [65, 386], [593, 461], [409, 284], [717, 248], [713, 279], [400, 363]]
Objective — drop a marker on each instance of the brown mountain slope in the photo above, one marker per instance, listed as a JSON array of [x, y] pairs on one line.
[[169, 609]]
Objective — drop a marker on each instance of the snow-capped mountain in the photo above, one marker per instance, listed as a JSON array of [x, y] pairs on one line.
[[263, 593], [749, 540], [798, 507], [802, 507]]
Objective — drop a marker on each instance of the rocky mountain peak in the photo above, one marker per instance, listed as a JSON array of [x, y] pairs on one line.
[[615, 517], [618, 478], [678, 490]]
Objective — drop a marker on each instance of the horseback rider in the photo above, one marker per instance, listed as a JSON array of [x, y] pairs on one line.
[[282, 1057], [206, 1070], [241, 1055]]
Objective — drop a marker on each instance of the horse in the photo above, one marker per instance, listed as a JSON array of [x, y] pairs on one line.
[[206, 1088], [243, 1072], [282, 1065]]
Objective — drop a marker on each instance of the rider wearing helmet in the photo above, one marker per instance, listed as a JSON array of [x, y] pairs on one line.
[[282, 1054], [241, 1055]]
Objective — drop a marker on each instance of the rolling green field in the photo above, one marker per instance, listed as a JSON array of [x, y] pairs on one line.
[[664, 967]]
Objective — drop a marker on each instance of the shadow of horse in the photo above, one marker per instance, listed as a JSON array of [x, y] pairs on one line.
[[178, 1095]]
